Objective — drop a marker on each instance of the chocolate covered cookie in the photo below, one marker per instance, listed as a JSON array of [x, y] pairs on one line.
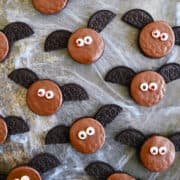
[[147, 88], [11, 125], [33, 170], [45, 97], [157, 153], [10, 34], [49, 6], [85, 45], [156, 38], [86, 135], [103, 171]]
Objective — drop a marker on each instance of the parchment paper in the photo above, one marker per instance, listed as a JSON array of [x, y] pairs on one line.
[[121, 49]]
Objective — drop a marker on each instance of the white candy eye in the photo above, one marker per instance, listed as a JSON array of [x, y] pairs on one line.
[[162, 150], [90, 131], [41, 92], [25, 178], [80, 42], [144, 86], [82, 135], [156, 34], [164, 37], [88, 40], [153, 86], [154, 150], [49, 95]]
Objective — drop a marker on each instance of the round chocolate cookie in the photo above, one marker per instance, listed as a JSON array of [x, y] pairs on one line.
[[87, 135], [44, 97], [24, 173], [4, 46], [148, 88], [3, 131], [157, 39], [49, 6], [86, 46], [157, 153], [120, 176]]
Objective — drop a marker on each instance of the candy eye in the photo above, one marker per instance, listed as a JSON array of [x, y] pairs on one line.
[[164, 37], [153, 86], [80, 42], [82, 135], [49, 95], [90, 131], [162, 150], [154, 150], [41, 92], [25, 178], [88, 40], [144, 86], [156, 34]]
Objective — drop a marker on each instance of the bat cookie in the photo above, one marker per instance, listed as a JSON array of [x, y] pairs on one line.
[[44, 97], [40, 164], [157, 153], [49, 6], [147, 88], [103, 171], [10, 34], [87, 134], [11, 125], [85, 45], [156, 38]]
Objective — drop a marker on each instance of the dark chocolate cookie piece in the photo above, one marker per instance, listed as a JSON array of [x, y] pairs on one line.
[[107, 113], [100, 19], [131, 137], [23, 77], [73, 92], [44, 162], [120, 75], [56, 40], [99, 170], [176, 30], [175, 138], [137, 17], [16, 31], [170, 72], [16, 125], [58, 135]]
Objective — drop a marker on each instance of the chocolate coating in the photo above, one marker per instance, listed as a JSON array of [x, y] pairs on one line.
[[49, 6], [88, 53], [42, 105], [92, 143], [156, 48], [4, 46], [147, 98], [120, 176], [157, 163], [19, 172], [3, 131]]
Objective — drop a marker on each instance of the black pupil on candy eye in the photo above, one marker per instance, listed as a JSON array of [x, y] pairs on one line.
[[144, 87], [79, 42], [82, 135], [154, 151], [87, 40], [90, 131]]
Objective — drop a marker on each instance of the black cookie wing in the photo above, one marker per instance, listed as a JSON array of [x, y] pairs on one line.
[[57, 40], [107, 113], [137, 18], [24, 77], [99, 20]]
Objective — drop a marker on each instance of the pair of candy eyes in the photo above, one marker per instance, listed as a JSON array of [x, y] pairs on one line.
[[152, 86], [90, 131], [23, 178], [157, 34], [86, 41], [44, 93], [155, 150]]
